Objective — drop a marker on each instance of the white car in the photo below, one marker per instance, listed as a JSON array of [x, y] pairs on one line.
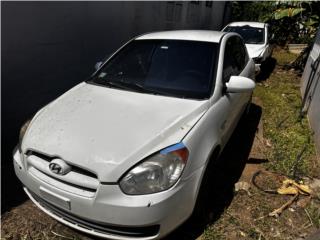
[[256, 36], [123, 155]]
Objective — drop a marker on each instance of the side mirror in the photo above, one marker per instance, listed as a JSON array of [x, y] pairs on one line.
[[238, 84], [97, 65]]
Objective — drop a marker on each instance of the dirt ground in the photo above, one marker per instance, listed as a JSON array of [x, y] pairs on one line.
[[231, 214], [247, 217]]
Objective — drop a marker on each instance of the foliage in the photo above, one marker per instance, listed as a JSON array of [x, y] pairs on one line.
[[289, 134], [252, 11], [314, 213], [290, 21], [287, 12]]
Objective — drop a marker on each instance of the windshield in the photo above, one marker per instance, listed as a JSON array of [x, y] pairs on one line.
[[165, 67], [250, 35]]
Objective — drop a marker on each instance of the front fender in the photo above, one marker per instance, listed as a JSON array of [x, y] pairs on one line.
[[204, 138]]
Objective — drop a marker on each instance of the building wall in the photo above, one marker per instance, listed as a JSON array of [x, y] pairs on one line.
[[310, 90], [48, 47]]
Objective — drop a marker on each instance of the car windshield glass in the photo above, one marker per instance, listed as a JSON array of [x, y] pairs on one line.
[[250, 35], [166, 67]]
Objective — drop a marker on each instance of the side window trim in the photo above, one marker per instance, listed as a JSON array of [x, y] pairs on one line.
[[238, 61], [226, 55]]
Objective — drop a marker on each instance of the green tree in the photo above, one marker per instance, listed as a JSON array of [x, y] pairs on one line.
[[290, 21]]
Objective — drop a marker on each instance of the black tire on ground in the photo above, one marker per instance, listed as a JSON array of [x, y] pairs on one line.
[[200, 213]]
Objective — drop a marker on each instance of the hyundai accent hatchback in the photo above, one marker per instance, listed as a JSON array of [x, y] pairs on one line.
[[122, 155]]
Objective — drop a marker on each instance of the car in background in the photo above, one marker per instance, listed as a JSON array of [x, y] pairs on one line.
[[123, 154], [256, 36]]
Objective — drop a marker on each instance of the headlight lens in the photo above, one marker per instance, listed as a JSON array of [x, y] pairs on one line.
[[157, 173], [23, 130]]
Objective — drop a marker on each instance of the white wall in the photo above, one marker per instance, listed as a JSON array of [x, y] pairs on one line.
[[48, 47], [310, 90]]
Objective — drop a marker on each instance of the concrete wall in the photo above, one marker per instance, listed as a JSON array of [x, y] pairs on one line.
[[48, 47], [310, 90]]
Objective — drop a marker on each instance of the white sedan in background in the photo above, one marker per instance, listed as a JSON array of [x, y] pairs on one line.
[[123, 155], [256, 36]]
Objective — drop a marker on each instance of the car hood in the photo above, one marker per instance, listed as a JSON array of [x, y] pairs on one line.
[[255, 50], [107, 131]]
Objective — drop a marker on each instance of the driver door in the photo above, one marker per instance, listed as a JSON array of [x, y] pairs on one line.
[[236, 63]]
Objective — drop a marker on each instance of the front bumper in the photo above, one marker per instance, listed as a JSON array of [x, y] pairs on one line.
[[110, 213]]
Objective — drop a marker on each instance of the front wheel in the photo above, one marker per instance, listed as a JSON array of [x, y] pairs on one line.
[[248, 106], [206, 204]]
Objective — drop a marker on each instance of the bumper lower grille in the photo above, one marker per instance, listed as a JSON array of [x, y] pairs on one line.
[[138, 232]]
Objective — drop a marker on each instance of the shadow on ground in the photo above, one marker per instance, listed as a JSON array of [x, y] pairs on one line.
[[11, 188], [266, 69], [222, 175]]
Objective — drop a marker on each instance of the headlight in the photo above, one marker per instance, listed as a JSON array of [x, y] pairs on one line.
[[157, 173], [22, 132]]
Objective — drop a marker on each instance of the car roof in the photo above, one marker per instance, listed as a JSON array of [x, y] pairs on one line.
[[191, 35], [251, 24]]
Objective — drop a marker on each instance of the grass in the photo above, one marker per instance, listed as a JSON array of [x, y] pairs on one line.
[[291, 139], [313, 212], [283, 57], [289, 134]]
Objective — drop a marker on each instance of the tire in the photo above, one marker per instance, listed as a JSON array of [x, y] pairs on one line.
[[247, 109], [200, 213]]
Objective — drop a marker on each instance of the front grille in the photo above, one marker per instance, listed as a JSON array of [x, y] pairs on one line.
[[78, 180], [147, 231], [48, 158]]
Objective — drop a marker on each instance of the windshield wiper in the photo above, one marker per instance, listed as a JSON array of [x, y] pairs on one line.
[[118, 84], [140, 88], [132, 86], [115, 84], [143, 89], [109, 83], [124, 85]]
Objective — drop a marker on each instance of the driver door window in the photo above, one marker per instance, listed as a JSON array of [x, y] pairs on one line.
[[235, 58]]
